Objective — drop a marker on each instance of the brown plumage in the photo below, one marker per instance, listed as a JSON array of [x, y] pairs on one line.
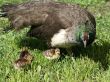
[[61, 25], [36, 12], [26, 14], [24, 59]]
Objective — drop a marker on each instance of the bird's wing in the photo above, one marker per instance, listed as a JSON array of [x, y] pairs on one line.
[[21, 14]]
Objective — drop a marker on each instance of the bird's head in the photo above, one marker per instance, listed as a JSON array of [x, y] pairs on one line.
[[86, 36]]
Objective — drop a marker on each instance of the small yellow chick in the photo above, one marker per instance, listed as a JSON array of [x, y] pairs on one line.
[[24, 59], [52, 54]]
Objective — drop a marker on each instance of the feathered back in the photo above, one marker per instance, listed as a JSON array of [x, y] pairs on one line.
[[37, 13], [7, 7]]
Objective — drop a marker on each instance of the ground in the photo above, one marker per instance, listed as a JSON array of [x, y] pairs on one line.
[[88, 65]]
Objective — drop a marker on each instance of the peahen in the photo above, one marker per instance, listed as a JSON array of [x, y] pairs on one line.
[[60, 25]]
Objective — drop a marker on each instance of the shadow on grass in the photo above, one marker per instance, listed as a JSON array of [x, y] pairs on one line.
[[98, 53], [32, 43]]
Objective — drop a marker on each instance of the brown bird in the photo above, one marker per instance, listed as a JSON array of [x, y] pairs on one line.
[[24, 59], [52, 54], [60, 25]]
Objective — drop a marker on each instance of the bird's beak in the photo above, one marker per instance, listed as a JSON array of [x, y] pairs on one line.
[[85, 43]]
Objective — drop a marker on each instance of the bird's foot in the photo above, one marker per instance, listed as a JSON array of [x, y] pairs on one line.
[[71, 56], [70, 53]]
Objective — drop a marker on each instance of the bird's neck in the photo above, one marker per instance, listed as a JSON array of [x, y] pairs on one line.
[[78, 34]]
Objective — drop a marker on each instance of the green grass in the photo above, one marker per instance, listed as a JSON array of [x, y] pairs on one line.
[[89, 65]]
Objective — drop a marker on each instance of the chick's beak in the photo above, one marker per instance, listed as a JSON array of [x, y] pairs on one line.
[[85, 43]]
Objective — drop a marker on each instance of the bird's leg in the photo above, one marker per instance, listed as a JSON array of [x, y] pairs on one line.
[[70, 52]]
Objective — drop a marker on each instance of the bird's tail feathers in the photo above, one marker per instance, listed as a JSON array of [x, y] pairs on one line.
[[4, 9], [3, 14]]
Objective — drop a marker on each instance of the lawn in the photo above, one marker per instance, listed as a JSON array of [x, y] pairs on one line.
[[88, 65]]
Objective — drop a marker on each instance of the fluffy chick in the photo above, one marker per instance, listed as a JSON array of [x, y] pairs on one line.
[[52, 53], [24, 59]]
